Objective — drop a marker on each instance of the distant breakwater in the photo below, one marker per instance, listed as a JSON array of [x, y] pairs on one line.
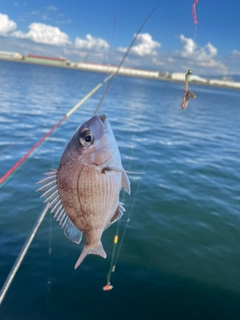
[[132, 73]]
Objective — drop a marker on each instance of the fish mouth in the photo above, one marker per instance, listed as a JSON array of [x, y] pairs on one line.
[[103, 121], [103, 117]]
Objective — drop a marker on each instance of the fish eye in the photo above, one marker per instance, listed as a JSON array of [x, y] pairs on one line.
[[86, 138]]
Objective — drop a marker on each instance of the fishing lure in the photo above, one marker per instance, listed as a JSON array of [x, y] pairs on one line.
[[187, 94], [195, 20]]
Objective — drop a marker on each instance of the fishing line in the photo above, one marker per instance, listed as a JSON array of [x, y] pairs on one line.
[[14, 143], [195, 36], [116, 253], [108, 286], [49, 281], [123, 59], [104, 94], [112, 265], [186, 92], [127, 222], [111, 42]]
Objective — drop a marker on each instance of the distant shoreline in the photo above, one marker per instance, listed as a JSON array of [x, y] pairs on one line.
[[77, 68]]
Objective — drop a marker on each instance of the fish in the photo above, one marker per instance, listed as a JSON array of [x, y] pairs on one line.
[[83, 192]]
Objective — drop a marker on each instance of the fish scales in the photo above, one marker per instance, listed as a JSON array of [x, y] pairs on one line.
[[91, 192], [99, 194], [84, 192]]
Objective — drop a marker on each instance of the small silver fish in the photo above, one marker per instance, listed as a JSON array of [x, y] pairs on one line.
[[84, 191]]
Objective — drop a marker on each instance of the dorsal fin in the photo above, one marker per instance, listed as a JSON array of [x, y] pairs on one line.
[[53, 197]]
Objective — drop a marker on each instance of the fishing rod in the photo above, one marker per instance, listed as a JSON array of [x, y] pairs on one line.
[[21, 255], [26, 156]]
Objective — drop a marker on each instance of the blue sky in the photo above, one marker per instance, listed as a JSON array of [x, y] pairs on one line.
[[101, 30]]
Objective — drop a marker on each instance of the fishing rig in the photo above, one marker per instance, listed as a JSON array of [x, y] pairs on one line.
[[23, 160], [187, 93]]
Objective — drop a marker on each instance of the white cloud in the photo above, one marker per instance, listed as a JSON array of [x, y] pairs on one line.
[[188, 47], [234, 54], [42, 33], [190, 50], [17, 4], [143, 46], [6, 25], [202, 60], [91, 43], [45, 17], [157, 62], [204, 57], [52, 8], [232, 60]]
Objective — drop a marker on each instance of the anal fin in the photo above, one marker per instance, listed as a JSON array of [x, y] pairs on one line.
[[71, 232], [117, 215]]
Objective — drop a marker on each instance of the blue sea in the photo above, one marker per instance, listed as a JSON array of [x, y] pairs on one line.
[[180, 255]]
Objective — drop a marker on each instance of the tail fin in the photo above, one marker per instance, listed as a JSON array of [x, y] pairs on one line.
[[86, 250]]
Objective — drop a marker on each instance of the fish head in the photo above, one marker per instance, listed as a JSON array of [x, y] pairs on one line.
[[93, 143]]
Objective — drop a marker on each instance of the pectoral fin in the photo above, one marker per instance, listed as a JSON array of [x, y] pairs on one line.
[[126, 183], [120, 170]]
